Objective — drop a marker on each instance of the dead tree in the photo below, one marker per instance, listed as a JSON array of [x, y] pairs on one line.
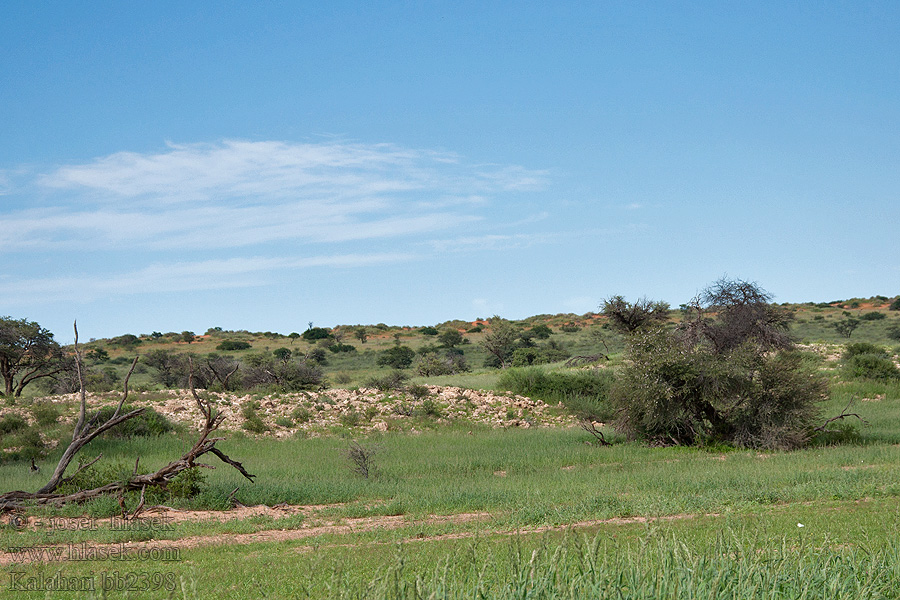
[[86, 429]]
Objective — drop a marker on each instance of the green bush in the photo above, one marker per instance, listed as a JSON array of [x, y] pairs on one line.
[[871, 366], [188, 483], [252, 421], [231, 345], [148, 423], [336, 348], [350, 418], [97, 475], [392, 381], [45, 413], [873, 316], [864, 348], [285, 422], [301, 414], [12, 423], [583, 392], [523, 357], [432, 364], [398, 357], [895, 305], [428, 331], [316, 333]]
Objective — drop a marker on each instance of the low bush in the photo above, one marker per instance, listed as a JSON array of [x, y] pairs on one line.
[[392, 381], [873, 316], [583, 392], [231, 345], [448, 363], [252, 421], [871, 366], [398, 357], [336, 348], [149, 423], [45, 413], [12, 423]]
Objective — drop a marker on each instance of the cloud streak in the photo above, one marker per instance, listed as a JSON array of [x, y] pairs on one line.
[[240, 193]]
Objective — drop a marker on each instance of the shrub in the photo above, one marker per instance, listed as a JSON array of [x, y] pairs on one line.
[[12, 423], [418, 391], [362, 459], [392, 381], [449, 363], [730, 378], [864, 348], [232, 345], [430, 408], [583, 392], [316, 333], [895, 305], [188, 483], [149, 423], [570, 328], [398, 357], [872, 316], [342, 348], [871, 366], [893, 332], [286, 422], [45, 413], [524, 357], [428, 331], [301, 414], [541, 331]]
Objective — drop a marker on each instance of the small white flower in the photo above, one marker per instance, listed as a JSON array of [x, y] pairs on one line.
[[799, 524]]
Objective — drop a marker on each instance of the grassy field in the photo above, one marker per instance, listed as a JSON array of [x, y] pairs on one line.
[[458, 510]]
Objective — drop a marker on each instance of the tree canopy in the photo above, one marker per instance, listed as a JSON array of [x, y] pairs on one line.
[[27, 352]]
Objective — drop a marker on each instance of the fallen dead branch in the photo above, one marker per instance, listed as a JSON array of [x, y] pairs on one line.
[[88, 428]]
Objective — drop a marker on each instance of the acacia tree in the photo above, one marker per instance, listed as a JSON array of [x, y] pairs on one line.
[[500, 341], [728, 374], [27, 352], [628, 318]]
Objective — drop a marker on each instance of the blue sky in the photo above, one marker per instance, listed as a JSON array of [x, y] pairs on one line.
[[177, 166]]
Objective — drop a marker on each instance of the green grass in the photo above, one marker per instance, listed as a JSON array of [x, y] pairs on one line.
[[716, 522]]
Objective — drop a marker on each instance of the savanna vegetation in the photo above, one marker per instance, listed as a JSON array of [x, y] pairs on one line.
[[730, 447]]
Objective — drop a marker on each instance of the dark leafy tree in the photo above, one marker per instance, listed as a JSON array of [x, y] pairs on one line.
[[895, 305], [628, 318], [188, 336], [541, 331], [233, 345], [451, 338], [316, 333], [97, 355], [398, 357], [282, 354], [28, 352], [361, 334]]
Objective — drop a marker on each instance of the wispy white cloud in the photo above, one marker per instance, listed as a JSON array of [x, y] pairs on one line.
[[240, 193]]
